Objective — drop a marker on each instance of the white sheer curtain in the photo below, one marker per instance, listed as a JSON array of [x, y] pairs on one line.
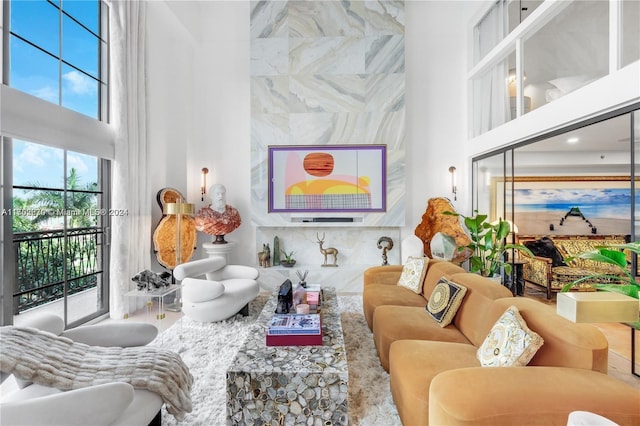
[[130, 238], [490, 101]]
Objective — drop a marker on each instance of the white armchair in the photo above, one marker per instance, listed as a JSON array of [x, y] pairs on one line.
[[25, 403], [227, 289]]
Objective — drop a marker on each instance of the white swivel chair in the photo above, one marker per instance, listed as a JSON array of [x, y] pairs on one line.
[[227, 289], [25, 403]]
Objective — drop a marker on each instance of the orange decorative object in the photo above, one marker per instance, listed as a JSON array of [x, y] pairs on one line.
[[434, 221], [212, 222], [165, 234]]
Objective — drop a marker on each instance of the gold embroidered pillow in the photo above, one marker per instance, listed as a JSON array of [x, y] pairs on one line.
[[413, 272], [510, 342], [445, 300]]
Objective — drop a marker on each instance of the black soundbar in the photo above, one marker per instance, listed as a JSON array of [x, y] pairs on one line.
[[329, 219]]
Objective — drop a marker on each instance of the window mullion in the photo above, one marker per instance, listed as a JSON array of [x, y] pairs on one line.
[[60, 58]]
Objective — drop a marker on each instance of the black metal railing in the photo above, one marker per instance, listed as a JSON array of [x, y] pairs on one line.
[[47, 261]]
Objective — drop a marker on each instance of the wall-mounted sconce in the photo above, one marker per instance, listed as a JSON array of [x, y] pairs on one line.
[[203, 183], [454, 188]]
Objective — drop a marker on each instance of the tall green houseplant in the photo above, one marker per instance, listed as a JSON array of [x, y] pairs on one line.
[[488, 244]]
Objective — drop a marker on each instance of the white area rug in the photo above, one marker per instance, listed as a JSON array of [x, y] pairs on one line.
[[209, 348]]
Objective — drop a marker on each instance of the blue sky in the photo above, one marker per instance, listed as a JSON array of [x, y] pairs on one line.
[[35, 163], [42, 75]]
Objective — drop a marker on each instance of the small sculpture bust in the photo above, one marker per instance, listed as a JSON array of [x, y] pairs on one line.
[[218, 218]]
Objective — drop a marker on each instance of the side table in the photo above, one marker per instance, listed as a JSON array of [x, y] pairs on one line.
[[148, 296], [517, 284]]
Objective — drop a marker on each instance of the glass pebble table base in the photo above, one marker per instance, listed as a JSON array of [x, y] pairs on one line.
[[290, 385]]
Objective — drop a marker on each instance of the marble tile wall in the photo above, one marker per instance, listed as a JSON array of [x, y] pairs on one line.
[[328, 72]]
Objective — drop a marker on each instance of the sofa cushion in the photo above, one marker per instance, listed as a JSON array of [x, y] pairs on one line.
[[544, 247], [376, 295], [196, 290], [413, 273], [438, 269], [510, 342], [566, 344], [414, 364], [471, 318], [445, 301], [557, 391], [392, 323]]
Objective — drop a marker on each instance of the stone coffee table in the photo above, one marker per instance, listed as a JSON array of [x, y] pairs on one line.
[[290, 384]]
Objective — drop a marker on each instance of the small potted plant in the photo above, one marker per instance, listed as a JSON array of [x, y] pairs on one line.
[[288, 260], [488, 244]]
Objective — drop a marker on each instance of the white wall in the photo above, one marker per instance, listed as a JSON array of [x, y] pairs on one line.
[[171, 104], [223, 117], [435, 94], [436, 61]]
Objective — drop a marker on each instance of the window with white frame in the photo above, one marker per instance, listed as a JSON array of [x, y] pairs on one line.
[[56, 151], [56, 52], [522, 63]]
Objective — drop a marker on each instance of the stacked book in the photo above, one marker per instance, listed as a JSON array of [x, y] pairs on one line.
[[295, 330], [314, 297]]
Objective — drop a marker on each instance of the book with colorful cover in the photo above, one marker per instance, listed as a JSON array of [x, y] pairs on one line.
[[283, 324]]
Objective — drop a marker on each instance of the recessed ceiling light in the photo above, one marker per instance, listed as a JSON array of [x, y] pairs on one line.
[[573, 140]]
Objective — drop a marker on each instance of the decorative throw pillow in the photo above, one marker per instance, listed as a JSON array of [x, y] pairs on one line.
[[413, 272], [445, 300], [510, 342]]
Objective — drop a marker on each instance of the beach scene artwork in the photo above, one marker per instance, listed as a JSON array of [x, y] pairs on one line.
[[572, 207]]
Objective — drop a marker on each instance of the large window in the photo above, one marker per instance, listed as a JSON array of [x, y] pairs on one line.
[[56, 142], [59, 223], [560, 48], [57, 53], [592, 167]]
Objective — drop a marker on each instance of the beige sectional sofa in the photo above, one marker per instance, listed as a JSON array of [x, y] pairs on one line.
[[436, 377]]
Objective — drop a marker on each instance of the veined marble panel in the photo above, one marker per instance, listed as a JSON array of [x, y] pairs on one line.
[[346, 278], [384, 17], [269, 19], [384, 54], [327, 93], [385, 92], [326, 18], [386, 128], [356, 246], [269, 56], [270, 129], [327, 55], [328, 72], [270, 94], [328, 128]]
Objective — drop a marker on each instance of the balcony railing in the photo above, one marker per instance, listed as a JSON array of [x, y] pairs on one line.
[[46, 261]]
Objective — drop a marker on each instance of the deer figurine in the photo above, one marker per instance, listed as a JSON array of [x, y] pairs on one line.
[[326, 251]]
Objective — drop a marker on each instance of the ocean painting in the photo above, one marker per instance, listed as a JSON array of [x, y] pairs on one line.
[[593, 203], [565, 207]]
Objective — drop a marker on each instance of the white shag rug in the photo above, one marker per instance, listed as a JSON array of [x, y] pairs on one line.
[[209, 348]]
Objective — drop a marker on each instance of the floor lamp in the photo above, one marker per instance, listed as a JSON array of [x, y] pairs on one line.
[[179, 209]]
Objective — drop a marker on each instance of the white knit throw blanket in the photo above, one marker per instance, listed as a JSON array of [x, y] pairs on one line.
[[46, 359]]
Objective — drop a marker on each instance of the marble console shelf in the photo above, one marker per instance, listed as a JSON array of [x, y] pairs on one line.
[[357, 249]]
